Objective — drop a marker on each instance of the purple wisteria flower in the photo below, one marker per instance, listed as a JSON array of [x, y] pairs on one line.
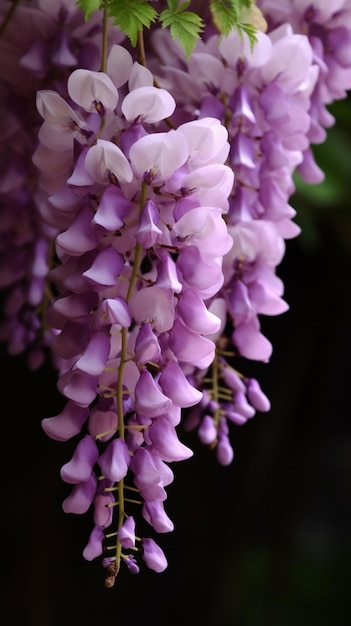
[[41, 45], [133, 205], [272, 100], [144, 215], [327, 24]]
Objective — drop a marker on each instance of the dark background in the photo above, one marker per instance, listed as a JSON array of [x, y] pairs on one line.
[[265, 541]]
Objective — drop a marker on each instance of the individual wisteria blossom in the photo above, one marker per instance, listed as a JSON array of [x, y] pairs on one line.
[[145, 210]]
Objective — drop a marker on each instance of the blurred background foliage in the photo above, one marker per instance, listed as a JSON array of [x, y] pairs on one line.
[[327, 205], [264, 542]]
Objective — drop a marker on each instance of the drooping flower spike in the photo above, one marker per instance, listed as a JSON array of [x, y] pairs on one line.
[[144, 214]]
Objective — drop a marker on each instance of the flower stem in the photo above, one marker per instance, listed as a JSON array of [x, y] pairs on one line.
[[119, 391], [141, 48], [103, 65]]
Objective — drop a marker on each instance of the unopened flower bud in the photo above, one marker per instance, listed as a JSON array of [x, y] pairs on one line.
[[153, 555]]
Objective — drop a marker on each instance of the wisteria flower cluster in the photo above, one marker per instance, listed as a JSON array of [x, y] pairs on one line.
[[144, 212]]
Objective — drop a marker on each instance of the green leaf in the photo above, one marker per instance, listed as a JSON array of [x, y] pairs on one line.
[[226, 15], [132, 16], [250, 30], [89, 7], [184, 26]]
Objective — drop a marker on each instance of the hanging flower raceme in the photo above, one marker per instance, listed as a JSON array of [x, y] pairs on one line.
[[132, 211], [263, 97], [141, 238], [327, 26]]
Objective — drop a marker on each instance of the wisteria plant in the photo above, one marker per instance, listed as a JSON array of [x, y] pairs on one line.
[[148, 158]]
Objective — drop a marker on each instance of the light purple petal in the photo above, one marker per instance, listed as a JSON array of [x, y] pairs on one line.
[[151, 474], [103, 511], [212, 184], [290, 57], [76, 307], [224, 451], [93, 91], [80, 388], [126, 533], [195, 314], [81, 497], [79, 237], [55, 110], [148, 104], [94, 547], [205, 228], [207, 140], [119, 65], [155, 157], [165, 442], [242, 406], [113, 311], [106, 163], [167, 277], [149, 399], [147, 347], [131, 564], [66, 424], [190, 347], [112, 209], [105, 269], [155, 306], [154, 513], [177, 387], [114, 462], [102, 422], [256, 396], [251, 343], [140, 76], [232, 378], [93, 360], [79, 468], [233, 47], [153, 555], [202, 275], [207, 430], [148, 232]]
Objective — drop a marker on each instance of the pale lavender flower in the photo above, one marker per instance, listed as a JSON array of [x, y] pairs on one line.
[[115, 460], [94, 547], [153, 555], [81, 497], [126, 533], [80, 467], [154, 513], [131, 564]]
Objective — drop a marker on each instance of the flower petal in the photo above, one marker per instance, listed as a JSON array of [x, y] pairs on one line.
[[93, 91]]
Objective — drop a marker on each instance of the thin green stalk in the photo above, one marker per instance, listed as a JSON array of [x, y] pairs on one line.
[[119, 391], [103, 65]]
